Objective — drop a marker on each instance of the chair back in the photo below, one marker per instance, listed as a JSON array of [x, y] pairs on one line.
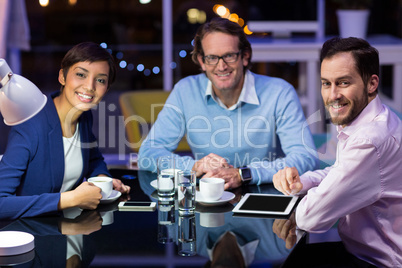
[[140, 110]]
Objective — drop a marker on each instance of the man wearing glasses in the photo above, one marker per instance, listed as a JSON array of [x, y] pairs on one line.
[[241, 126]]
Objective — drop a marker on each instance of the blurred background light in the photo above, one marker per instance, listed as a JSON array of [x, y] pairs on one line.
[[202, 17], [44, 3], [183, 53], [234, 17], [215, 7], [123, 64], [104, 45], [192, 15], [119, 55], [247, 31], [144, 2], [147, 72], [173, 65], [222, 11], [140, 67], [130, 67], [156, 70], [195, 15]]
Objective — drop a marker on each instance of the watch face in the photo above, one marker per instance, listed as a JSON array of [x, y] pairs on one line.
[[246, 173]]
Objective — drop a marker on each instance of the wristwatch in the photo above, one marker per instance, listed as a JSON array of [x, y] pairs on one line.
[[245, 174]]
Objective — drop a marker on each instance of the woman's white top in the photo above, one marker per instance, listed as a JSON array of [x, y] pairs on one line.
[[73, 163]]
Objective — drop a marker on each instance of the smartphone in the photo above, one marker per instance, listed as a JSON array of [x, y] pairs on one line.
[[137, 206]]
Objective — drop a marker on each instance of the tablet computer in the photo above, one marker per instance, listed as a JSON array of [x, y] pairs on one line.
[[266, 204]]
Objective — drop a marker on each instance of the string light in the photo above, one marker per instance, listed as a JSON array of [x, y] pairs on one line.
[[247, 31], [130, 67], [123, 64], [195, 15], [140, 67], [156, 70], [44, 3], [182, 53], [224, 12], [173, 65], [119, 55]]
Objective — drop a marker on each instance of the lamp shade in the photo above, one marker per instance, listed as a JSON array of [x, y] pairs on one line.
[[20, 99]]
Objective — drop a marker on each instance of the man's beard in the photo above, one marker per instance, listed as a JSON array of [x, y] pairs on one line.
[[356, 107]]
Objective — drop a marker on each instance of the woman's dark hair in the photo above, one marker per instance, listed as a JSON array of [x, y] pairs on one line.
[[223, 26], [366, 57], [91, 52]]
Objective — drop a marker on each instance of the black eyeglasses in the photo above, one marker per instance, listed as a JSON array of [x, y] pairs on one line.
[[227, 58]]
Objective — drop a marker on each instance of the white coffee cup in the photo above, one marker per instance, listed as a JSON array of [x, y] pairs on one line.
[[105, 183], [212, 189], [173, 172]]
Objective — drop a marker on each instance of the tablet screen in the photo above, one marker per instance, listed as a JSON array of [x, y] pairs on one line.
[[266, 204]]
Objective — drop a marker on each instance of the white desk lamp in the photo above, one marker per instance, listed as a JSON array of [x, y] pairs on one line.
[[20, 99]]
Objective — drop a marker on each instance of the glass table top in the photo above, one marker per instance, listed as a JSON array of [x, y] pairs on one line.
[[107, 237]]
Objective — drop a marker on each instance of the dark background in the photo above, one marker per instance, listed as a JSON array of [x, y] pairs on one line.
[[133, 32]]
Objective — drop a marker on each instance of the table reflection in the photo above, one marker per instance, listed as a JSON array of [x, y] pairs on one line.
[[60, 241]]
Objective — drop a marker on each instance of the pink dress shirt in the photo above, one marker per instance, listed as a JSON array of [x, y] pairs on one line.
[[363, 189]]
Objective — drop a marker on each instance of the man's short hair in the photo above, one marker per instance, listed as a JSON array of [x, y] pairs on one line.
[[366, 57]]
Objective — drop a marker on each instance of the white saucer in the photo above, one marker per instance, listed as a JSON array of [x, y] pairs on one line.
[[113, 197], [226, 197], [14, 243], [154, 184]]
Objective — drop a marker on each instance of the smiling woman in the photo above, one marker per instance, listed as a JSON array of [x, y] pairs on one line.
[[49, 156], [83, 87]]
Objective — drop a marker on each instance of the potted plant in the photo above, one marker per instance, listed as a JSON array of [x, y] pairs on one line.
[[353, 17]]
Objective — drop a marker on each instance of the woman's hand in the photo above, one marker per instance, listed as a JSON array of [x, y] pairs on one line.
[[86, 223], [118, 185], [85, 196]]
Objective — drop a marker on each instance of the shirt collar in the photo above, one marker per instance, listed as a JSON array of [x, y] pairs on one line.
[[248, 93], [367, 115]]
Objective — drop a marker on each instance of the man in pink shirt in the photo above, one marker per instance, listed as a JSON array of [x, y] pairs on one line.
[[363, 189]]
